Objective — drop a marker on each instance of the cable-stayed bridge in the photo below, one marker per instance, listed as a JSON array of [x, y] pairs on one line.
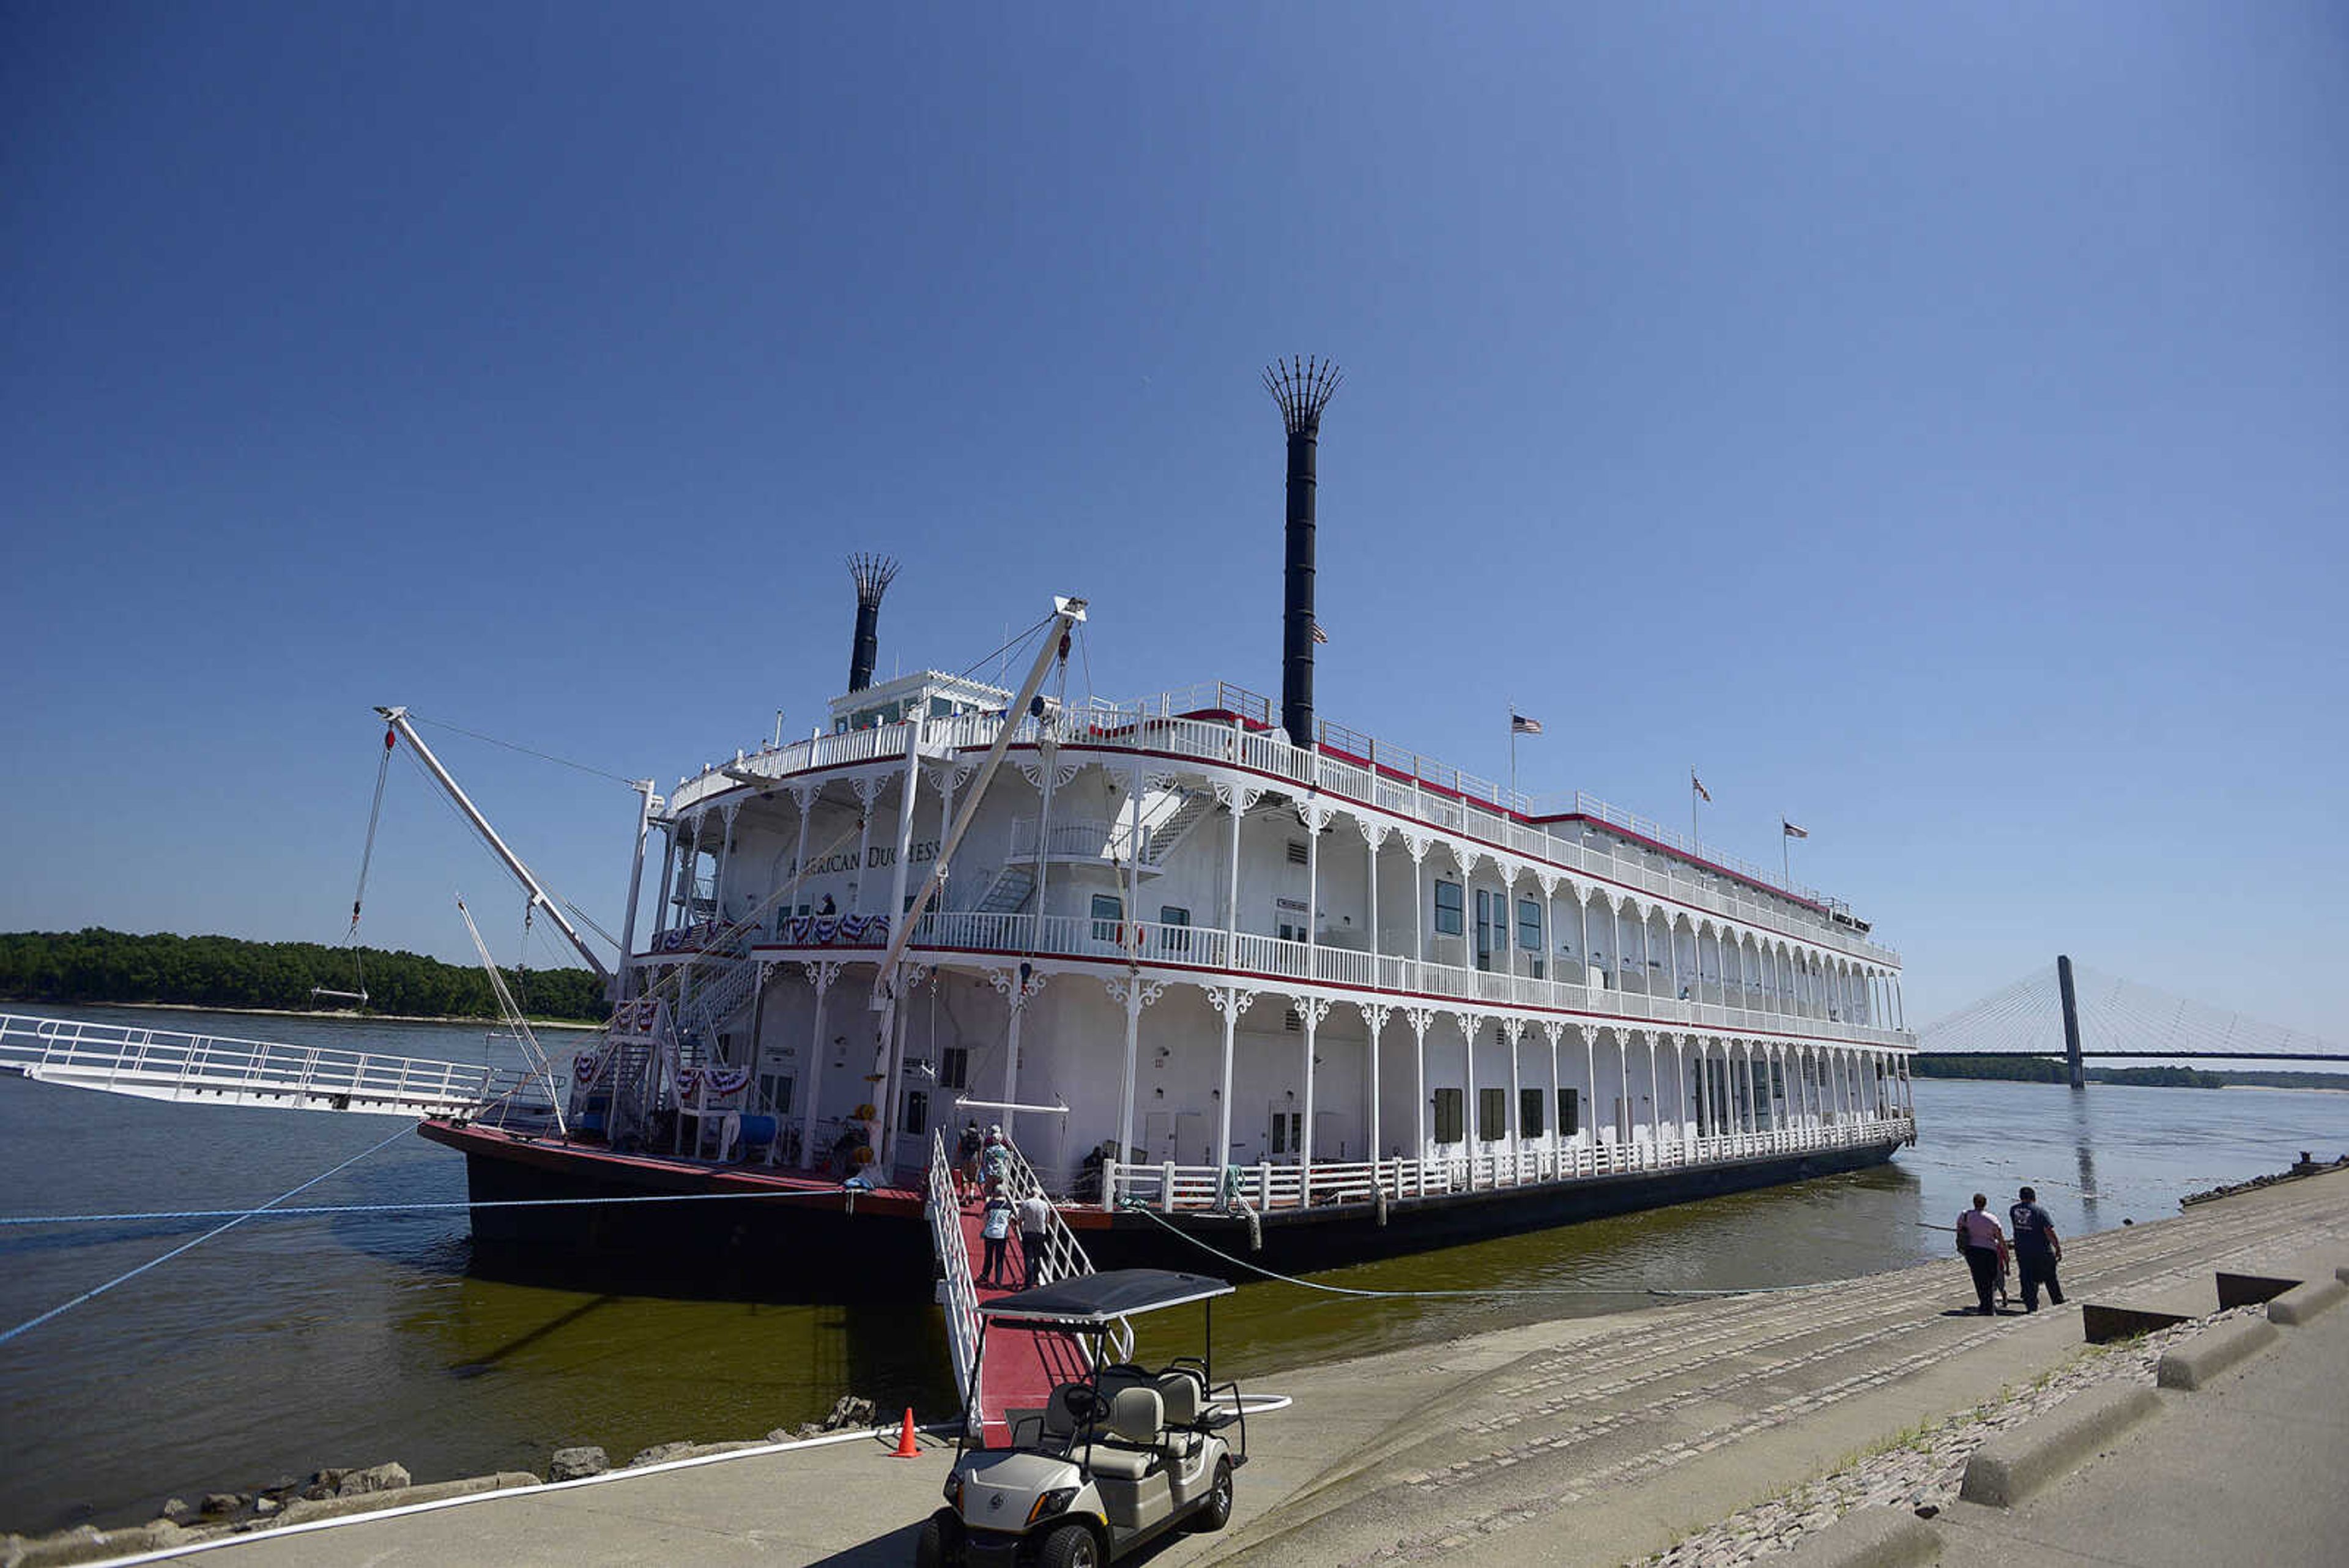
[[2071, 1010]]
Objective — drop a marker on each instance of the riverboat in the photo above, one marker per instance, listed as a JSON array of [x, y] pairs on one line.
[[1229, 976]]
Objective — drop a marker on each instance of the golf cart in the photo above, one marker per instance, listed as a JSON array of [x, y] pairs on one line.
[[1116, 1458]]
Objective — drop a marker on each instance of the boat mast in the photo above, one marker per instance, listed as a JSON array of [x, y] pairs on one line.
[[1067, 615], [398, 719]]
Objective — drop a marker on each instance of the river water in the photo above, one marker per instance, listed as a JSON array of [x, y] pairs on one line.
[[288, 1345]]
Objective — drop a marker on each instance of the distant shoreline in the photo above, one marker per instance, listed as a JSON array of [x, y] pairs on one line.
[[305, 1013]]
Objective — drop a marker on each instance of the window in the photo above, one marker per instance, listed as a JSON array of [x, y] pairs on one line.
[[1108, 910], [1530, 925], [917, 1119], [1530, 1112], [775, 1092], [1287, 1134], [954, 1068], [1491, 925], [1447, 1115], [1448, 908], [1177, 941], [1492, 1114], [1569, 1119]]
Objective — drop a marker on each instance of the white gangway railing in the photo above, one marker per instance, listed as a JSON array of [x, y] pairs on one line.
[[211, 1069]]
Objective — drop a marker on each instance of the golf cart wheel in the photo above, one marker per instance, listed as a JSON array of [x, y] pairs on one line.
[[939, 1545], [1217, 1511], [1071, 1546]]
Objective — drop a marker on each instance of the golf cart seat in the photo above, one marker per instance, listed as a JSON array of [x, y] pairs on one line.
[[1184, 1399], [1136, 1418]]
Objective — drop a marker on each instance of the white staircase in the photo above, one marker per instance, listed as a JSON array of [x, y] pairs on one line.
[[1008, 891], [1162, 840]]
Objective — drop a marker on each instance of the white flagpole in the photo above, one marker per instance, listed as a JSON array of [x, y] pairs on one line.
[[1512, 756], [1786, 854], [1695, 843]]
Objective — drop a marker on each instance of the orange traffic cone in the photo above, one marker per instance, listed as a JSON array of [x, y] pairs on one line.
[[907, 1448]]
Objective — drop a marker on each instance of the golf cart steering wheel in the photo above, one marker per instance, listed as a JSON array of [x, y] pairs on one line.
[[1085, 1404]]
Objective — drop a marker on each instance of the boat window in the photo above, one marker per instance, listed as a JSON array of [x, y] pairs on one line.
[[1492, 1114], [1449, 907], [1569, 1119], [1174, 915], [775, 1092], [1108, 910], [1447, 1115], [1529, 935], [954, 1068], [917, 1113], [1491, 925], [1530, 1113]]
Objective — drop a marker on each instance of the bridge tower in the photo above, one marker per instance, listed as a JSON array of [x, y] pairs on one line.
[[2071, 1023]]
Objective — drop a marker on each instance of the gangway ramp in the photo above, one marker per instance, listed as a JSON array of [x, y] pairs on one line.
[[1021, 1366], [211, 1069]]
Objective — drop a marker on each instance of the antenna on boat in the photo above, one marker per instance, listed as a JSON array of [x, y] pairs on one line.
[[871, 574], [1302, 387]]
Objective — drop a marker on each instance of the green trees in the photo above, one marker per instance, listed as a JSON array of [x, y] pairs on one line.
[[97, 965]]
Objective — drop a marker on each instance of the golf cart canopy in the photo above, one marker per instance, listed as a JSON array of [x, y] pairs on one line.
[[1096, 1301]]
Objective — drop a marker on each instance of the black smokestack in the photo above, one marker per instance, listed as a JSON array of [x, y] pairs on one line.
[[871, 574], [1301, 388]]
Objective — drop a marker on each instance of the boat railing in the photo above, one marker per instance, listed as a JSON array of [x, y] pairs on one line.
[[1171, 1188], [173, 1065], [1249, 956], [942, 1207], [1396, 780]]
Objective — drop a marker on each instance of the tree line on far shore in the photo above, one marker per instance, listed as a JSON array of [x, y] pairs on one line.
[[2052, 1070], [101, 966]]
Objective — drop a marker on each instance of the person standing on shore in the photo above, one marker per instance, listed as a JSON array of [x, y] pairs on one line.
[[1979, 1242], [2037, 1249]]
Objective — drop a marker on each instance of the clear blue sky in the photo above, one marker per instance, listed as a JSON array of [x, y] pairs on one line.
[[1930, 421]]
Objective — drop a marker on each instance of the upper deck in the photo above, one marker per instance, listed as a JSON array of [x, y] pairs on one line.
[[1229, 727]]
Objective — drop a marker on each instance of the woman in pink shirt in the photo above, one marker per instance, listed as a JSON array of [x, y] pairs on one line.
[[1981, 1243]]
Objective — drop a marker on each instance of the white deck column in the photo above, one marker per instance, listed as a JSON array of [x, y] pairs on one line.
[[1590, 1070], [1513, 1123], [1231, 1002], [1557, 1120], [1128, 990], [1310, 1009], [868, 790], [1420, 1018], [1373, 834], [1655, 1097], [730, 810], [821, 975], [1679, 1072], [804, 799], [1472, 1136], [667, 881]]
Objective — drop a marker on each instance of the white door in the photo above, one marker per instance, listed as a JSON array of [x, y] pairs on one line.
[[1158, 1136]]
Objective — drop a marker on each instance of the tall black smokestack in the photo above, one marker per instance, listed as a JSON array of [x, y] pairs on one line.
[[1301, 388], [872, 574]]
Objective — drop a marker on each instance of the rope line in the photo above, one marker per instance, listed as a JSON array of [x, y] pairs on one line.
[[525, 751], [59, 1311], [1489, 1291], [313, 1210]]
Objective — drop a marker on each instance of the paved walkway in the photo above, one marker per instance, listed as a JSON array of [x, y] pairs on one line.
[[1593, 1440]]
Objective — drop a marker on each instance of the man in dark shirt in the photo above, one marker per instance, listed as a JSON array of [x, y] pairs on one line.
[[2037, 1249]]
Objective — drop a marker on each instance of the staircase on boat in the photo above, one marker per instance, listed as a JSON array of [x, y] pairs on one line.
[[1021, 1367]]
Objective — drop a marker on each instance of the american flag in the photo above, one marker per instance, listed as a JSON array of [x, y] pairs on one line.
[[1521, 725], [1697, 785], [1792, 831], [1319, 635]]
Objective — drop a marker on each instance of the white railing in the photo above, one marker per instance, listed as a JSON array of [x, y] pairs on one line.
[[1169, 1187], [1251, 957], [1394, 779], [958, 1295], [167, 1064], [1069, 839]]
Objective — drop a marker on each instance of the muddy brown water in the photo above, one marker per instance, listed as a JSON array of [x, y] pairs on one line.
[[288, 1345]]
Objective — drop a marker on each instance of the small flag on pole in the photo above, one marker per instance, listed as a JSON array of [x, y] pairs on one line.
[[1319, 635], [1792, 831], [1521, 725], [1697, 785]]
